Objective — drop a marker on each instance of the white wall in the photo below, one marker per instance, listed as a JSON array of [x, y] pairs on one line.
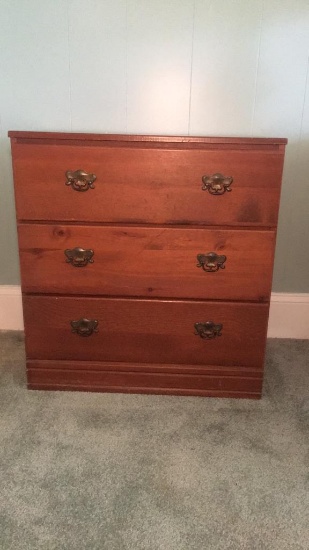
[[198, 67]]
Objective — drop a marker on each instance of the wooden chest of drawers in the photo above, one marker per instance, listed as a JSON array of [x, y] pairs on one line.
[[146, 262]]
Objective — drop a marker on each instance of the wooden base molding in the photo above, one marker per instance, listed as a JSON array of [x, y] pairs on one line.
[[211, 381]]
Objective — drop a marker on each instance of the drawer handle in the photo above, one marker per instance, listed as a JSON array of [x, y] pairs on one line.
[[79, 257], [80, 180], [84, 327], [208, 330], [217, 184], [211, 262]]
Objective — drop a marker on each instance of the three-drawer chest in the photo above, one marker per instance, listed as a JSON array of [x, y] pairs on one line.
[[146, 262]]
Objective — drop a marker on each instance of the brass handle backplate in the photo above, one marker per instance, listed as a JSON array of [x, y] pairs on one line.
[[208, 330], [217, 184], [211, 262], [80, 180], [79, 257], [84, 327]]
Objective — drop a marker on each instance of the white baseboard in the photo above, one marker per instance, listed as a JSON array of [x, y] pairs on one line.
[[288, 318], [11, 311]]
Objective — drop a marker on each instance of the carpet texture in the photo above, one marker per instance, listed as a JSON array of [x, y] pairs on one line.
[[136, 472]]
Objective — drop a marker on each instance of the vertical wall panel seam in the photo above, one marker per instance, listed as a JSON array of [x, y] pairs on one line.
[[293, 211], [257, 67], [191, 69], [304, 105], [1, 124], [69, 63]]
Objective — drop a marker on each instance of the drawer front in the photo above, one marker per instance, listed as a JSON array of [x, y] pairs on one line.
[[146, 331], [147, 261], [147, 185]]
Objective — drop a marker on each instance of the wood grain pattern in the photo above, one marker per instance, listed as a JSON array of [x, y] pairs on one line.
[[147, 185], [145, 296], [145, 331], [147, 261], [172, 368]]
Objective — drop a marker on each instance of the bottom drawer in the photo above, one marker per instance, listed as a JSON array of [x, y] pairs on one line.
[[145, 378], [145, 331]]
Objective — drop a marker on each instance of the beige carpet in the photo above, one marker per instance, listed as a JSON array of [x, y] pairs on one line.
[[135, 472]]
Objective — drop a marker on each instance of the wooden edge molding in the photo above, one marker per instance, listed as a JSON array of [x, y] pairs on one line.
[[170, 383], [22, 135], [116, 366], [154, 391]]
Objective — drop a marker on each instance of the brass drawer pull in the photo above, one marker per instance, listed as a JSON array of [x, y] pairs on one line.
[[217, 184], [79, 257], [84, 327], [211, 262], [80, 180], [208, 330]]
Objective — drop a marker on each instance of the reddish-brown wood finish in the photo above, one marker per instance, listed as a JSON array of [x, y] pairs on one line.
[[147, 261], [121, 139], [198, 380], [146, 331], [146, 220], [147, 185], [172, 368], [217, 385]]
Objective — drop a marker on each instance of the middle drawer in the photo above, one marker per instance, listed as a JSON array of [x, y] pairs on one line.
[[146, 261]]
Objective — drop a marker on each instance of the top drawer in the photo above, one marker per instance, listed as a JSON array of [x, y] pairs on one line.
[[147, 183]]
